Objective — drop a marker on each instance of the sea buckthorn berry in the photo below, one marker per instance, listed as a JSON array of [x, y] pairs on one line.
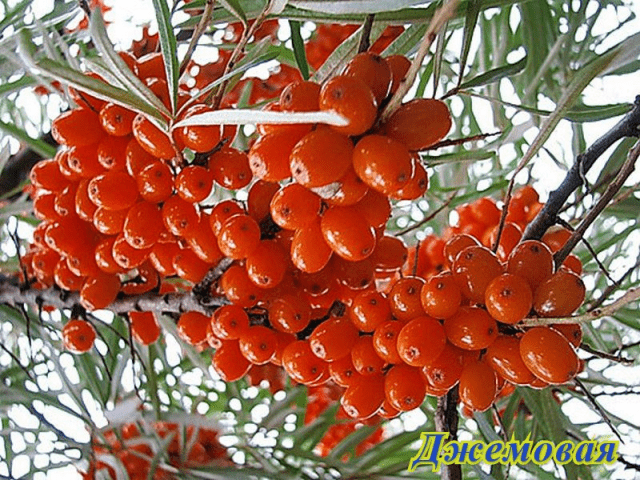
[[373, 71], [189, 267], [570, 331], [309, 252], [390, 253], [126, 256], [301, 364], [229, 322], [573, 263], [144, 327], [194, 183], [238, 288], [192, 327], [44, 262], [230, 168], [308, 159], [354, 275], [161, 257], [46, 175], [531, 260], [417, 184], [179, 216], [109, 222], [510, 237], [117, 121], [404, 387], [549, 355], [478, 386], [369, 309], [152, 139], [199, 138], [269, 156], [365, 358], [419, 124], [351, 98], [113, 191], [83, 263], [258, 344], [222, 212], [441, 296], [457, 244], [504, 356], [385, 340], [333, 339], [84, 207], [404, 298], [399, 66], [289, 313], [375, 208], [112, 153], [229, 362], [136, 158], [348, 233], [104, 256], [560, 295], [44, 205], [363, 396], [78, 336], [239, 236], [556, 237], [444, 372], [62, 157], [508, 298], [259, 200], [300, 96], [471, 328], [267, 264], [65, 201], [65, 278], [473, 270], [349, 190], [342, 371], [382, 163], [99, 291], [83, 161], [203, 242], [143, 225], [294, 207], [421, 341], [485, 211], [77, 127], [57, 235]]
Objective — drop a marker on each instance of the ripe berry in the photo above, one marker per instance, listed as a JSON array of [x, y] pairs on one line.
[[444, 372], [194, 183], [239, 236], [508, 298], [112, 152], [404, 298], [229, 362], [478, 386], [351, 98], [369, 309], [126, 256], [531, 260], [78, 336], [471, 328], [441, 296], [309, 251], [365, 358], [269, 156], [79, 127], [222, 212], [457, 244], [143, 225], [348, 233], [199, 138], [289, 313], [238, 288], [549, 355], [473, 270], [152, 139], [113, 191], [230, 168], [258, 344], [179, 216], [301, 364], [342, 371], [382, 163], [117, 121], [294, 207], [399, 66], [333, 339], [259, 201], [373, 71], [99, 291], [189, 266], [559, 295], [504, 356], [420, 341], [144, 327], [267, 264], [404, 387], [363, 396], [192, 327], [419, 124], [385, 340]]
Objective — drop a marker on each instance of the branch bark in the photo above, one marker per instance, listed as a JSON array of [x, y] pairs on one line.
[[19, 165], [629, 126], [447, 421]]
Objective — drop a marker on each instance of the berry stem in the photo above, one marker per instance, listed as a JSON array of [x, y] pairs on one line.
[[365, 37], [197, 33]]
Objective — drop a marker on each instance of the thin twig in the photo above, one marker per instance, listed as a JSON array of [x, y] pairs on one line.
[[631, 295], [503, 430], [627, 127], [607, 356], [428, 218], [365, 36], [594, 403], [202, 26], [440, 18], [627, 169], [17, 361], [626, 347], [460, 141], [628, 464], [612, 288]]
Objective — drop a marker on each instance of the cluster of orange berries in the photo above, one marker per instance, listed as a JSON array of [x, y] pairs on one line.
[[320, 398], [188, 447]]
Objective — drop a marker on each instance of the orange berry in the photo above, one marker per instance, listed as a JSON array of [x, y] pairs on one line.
[[419, 124], [309, 251], [239, 236], [229, 322], [333, 339], [199, 138], [351, 98], [83, 161], [99, 291], [136, 158], [560, 295], [79, 127], [189, 266], [457, 244], [230, 168], [104, 256], [161, 257], [510, 237], [267, 264], [126, 256], [179, 216], [373, 71], [222, 212], [294, 207], [203, 242], [417, 184], [78, 336], [229, 362], [269, 156], [143, 225], [194, 183], [117, 121], [531, 260], [504, 356], [473, 270], [399, 66], [112, 152], [113, 191], [342, 371], [556, 237], [348, 233], [382, 163], [308, 160], [350, 189], [365, 358], [109, 222], [363, 396], [375, 208], [549, 355], [300, 96], [152, 139], [192, 327], [260, 195], [404, 298], [390, 254], [421, 341], [508, 298], [65, 278], [258, 344], [471, 328], [441, 296], [444, 372], [238, 288], [369, 309], [404, 387], [478, 386], [570, 331], [289, 313], [385, 340], [301, 364], [46, 175]]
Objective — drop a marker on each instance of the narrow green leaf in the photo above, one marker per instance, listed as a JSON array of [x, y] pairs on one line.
[[10, 87], [495, 74], [128, 79], [237, 116], [298, 49], [235, 9], [35, 144], [589, 113], [470, 22], [360, 7], [18, 11], [169, 49], [351, 441], [461, 156]]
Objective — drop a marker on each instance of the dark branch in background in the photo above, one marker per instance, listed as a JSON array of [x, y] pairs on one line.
[[612, 288], [428, 218], [627, 169], [608, 356], [629, 126], [19, 165], [596, 405], [365, 38], [447, 421]]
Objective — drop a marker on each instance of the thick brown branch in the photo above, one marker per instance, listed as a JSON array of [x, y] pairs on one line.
[[629, 126], [447, 421], [19, 165]]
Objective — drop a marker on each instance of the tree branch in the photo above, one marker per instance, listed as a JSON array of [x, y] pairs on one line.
[[447, 421], [19, 165], [629, 126]]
